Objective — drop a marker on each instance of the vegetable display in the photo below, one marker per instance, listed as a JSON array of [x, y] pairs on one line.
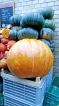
[[28, 44]]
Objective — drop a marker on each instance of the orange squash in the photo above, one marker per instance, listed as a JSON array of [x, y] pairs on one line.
[[30, 58], [5, 32], [10, 44], [3, 47], [3, 63], [2, 55], [4, 40]]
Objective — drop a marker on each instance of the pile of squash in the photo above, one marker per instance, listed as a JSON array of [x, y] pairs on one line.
[[5, 45], [47, 32], [39, 25], [31, 56]]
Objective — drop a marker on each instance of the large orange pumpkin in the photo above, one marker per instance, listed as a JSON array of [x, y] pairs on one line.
[[29, 58]]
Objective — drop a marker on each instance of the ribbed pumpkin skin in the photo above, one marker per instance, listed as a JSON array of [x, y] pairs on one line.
[[29, 58]]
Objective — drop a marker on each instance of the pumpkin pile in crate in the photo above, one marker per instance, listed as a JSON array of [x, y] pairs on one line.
[[30, 55]]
